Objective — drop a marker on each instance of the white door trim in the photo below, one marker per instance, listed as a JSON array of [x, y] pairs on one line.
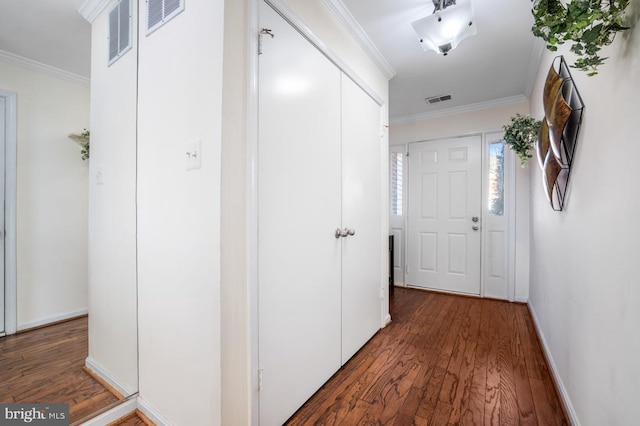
[[252, 204], [10, 278]]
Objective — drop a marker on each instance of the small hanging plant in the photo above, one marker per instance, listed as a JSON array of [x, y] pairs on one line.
[[521, 135], [83, 139], [588, 24]]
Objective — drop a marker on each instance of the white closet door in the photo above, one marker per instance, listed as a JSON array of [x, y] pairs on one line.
[[361, 186], [299, 211]]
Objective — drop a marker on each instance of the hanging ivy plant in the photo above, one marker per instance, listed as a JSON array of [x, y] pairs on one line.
[[83, 139], [588, 24], [521, 134]]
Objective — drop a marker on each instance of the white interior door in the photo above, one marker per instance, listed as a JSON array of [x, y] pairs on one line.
[[361, 199], [299, 274], [445, 215], [2, 203]]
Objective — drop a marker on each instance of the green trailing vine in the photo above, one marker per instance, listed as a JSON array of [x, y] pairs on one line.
[[588, 24], [521, 135], [83, 139]]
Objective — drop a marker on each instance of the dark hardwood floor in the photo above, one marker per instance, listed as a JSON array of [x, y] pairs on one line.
[[134, 419], [45, 366], [444, 360]]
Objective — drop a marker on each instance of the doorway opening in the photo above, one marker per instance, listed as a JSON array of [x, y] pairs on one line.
[[453, 215], [8, 293]]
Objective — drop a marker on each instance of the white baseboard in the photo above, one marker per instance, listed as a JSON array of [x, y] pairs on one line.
[[564, 395], [521, 300], [55, 318], [152, 413], [387, 320], [117, 412], [106, 375], [129, 406]]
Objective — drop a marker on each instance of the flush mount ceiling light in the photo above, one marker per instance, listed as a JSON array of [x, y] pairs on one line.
[[449, 24]]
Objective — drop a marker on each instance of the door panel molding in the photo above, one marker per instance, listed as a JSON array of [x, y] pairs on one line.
[[445, 174]]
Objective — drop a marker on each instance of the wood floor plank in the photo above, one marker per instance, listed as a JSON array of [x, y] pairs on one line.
[[444, 359], [472, 408], [524, 397], [545, 372], [45, 365], [462, 391], [440, 355], [508, 402]]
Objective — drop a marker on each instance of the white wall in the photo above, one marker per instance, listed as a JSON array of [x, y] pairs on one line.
[[180, 100], [236, 389], [486, 120], [51, 195], [584, 261], [112, 213]]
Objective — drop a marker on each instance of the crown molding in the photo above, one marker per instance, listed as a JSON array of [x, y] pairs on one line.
[[496, 103], [350, 23], [90, 9], [32, 65]]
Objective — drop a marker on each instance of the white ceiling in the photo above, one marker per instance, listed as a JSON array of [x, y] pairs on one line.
[[51, 32], [495, 65]]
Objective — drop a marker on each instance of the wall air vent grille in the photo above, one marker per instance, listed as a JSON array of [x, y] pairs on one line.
[[159, 12], [437, 99], [119, 30]]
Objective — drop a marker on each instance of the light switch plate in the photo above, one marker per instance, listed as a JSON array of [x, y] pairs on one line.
[[98, 175], [193, 154]]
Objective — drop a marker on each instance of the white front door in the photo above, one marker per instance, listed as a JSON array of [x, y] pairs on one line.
[[300, 197], [361, 200], [444, 217], [2, 202]]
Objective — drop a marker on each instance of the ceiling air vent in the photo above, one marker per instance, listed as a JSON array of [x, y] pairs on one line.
[[436, 99]]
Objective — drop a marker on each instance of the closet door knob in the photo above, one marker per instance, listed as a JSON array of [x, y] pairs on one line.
[[351, 231], [338, 233]]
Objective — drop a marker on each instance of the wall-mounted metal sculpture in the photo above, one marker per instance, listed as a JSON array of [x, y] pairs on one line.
[[559, 131]]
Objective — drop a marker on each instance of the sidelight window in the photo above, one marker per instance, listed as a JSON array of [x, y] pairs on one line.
[[496, 178], [396, 183]]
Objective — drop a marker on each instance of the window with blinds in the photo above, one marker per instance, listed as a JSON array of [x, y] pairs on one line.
[[159, 12], [119, 30], [396, 183]]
